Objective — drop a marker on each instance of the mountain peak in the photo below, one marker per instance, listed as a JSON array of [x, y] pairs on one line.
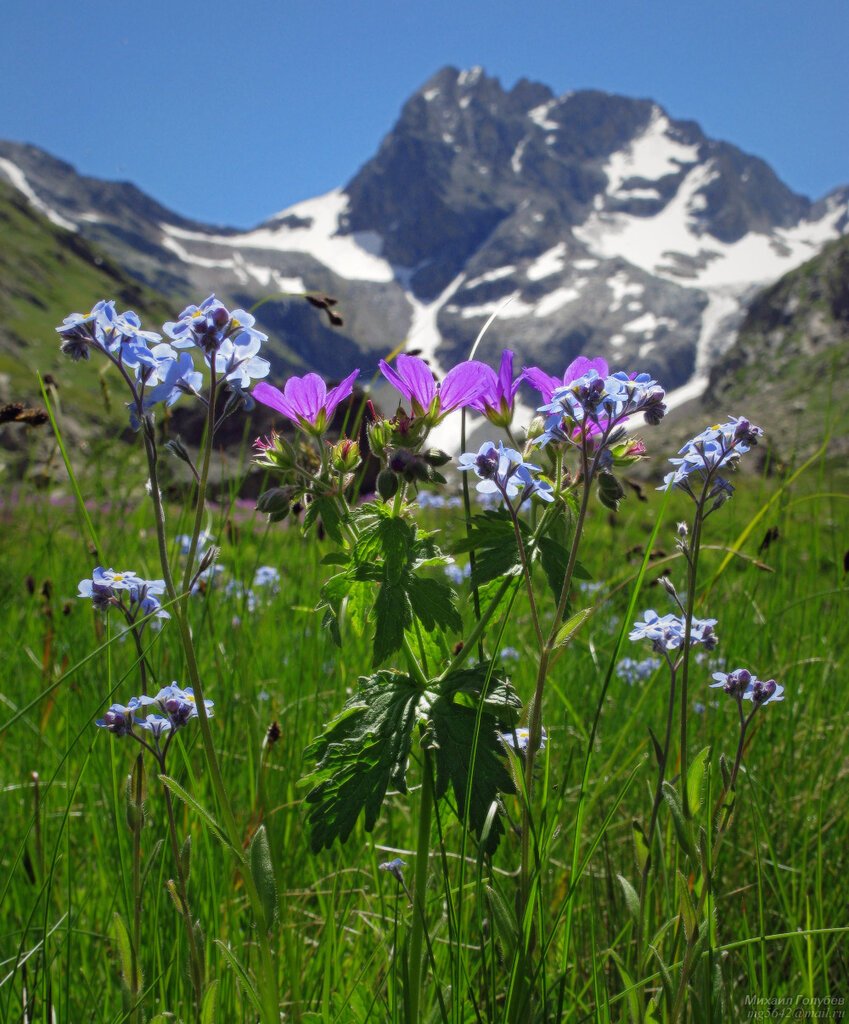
[[586, 222]]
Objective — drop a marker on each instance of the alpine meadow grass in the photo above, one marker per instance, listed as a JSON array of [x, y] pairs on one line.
[[507, 740]]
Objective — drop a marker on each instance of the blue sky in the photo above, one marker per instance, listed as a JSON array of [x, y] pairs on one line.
[[228, 112]]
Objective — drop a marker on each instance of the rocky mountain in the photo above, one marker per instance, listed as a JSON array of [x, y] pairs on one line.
[[789, 364], [584, 223]]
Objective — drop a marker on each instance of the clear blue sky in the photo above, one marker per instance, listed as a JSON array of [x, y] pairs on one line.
[[228, 112]]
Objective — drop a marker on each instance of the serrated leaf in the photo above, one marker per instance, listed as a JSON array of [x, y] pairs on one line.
[[396, 538], [324, 508], [392, 616], [499, 698], [359, 754], [571, 627], [554, 558], [452, 731], [696, 776], [433, 604], [632, 900], [262, 872], [209, 1006], [121, 938], [492, 538]]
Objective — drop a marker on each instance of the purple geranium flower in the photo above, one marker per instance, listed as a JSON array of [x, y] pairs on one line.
[[306, 400], [498, 400], [433, 400], [547, 385]]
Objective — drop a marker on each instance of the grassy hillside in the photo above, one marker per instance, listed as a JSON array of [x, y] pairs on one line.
[[45, 273]]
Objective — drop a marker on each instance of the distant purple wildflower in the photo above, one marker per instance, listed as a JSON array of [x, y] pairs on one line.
[[306, 400], [546, 384], [460, 387], [498, 400]]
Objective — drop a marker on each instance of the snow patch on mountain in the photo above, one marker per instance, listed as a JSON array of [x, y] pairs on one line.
[[490, 275], [672, 244], [18, 180], [652, 155], [557, 299], [310, 227], [550, 262]]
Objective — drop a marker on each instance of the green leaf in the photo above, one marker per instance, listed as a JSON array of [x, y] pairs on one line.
[[451, 735], [686, 907], [554, 558], [632, 900], [505, 923], [682, 826], [121, 937], [209, 1005], [641, 846], [358, 755], [499, 698], [202, 813], [633, 996], [396, 545], [262, 871], [696, 777], [434, 604], [392, 616], [325, 509], [571, 627], [245, 980], [186, 857], [491, 536]]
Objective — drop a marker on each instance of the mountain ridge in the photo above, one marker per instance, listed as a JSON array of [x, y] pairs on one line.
[[588, 222]]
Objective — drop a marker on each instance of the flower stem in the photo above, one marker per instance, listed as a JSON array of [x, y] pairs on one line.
[[267, 967], [195, 962], [419, 925]]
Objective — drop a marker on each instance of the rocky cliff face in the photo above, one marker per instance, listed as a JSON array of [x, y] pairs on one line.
[[585, 223]]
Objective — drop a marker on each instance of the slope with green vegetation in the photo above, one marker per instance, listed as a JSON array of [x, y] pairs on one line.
[[45, 273]]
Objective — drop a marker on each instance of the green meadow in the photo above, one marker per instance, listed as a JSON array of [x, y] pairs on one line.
[[772, 571]]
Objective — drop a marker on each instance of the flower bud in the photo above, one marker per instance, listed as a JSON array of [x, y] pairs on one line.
[[387, 484], [536, 428], [436, 457], [378, 437], [276, 502], [401, 460], [345, 456]]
